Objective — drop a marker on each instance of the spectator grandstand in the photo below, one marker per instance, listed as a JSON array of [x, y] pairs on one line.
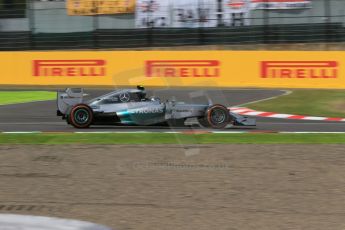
[[96, 24]]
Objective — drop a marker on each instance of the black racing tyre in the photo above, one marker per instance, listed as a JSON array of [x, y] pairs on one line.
[[217, 117], [81, 116]]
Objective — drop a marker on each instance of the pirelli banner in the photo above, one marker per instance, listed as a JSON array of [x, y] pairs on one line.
[[95, 7], [175, 69]]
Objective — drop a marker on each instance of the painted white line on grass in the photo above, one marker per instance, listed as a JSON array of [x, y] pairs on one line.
[[286, 92]]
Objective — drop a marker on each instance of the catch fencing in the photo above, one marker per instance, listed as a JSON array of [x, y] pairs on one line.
[[87, 24]]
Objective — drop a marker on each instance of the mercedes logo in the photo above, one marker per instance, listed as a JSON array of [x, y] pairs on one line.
[[124, 97]]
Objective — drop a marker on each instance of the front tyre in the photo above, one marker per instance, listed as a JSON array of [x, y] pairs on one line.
[[216, 117], [81, 116]]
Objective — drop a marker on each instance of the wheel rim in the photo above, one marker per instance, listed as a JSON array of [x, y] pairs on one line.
[[81, 116], [218, 116]]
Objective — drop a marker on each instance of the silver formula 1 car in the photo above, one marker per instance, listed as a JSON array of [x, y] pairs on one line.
[[132, 107]]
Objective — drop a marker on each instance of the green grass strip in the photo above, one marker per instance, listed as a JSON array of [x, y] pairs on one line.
[[162, 138], [14, 97], [326, 103]]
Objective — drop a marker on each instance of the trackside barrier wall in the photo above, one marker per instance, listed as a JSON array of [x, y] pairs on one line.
[[265, 69]]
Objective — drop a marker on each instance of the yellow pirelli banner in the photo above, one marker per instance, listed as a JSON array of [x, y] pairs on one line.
[[175, 69], [95, 7]]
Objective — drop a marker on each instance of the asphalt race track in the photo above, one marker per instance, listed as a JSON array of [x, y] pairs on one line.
[[41, 116]]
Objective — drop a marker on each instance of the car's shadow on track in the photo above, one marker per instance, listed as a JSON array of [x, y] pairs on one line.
[[159, 128]]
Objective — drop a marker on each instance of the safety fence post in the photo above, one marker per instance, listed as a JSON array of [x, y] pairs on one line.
[[31, 22], [150, 24], [95, 26], [200, 24], [220, 13], [266, 22], [327, 15]]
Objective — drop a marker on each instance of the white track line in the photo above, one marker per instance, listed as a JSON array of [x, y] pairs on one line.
[[173, 132], [22, 132], [286, 92]]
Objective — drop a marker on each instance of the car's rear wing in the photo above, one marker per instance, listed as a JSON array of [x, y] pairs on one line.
[[66, 99]]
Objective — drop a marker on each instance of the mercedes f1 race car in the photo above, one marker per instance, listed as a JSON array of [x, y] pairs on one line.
[[132, 107]]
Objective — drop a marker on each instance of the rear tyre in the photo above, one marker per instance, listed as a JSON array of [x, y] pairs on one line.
[[81, 116], [216, 117]]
